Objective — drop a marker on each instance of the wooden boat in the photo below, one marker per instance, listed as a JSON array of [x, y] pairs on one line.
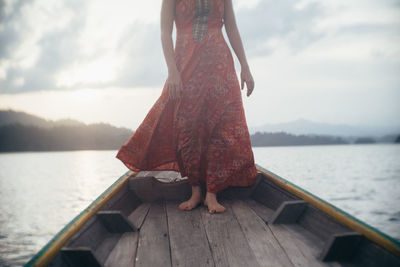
[[136, 222]]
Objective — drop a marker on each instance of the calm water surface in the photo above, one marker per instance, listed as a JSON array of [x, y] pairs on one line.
[[40, 192]]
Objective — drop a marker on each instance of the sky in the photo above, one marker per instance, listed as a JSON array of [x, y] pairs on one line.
[[102, 61]]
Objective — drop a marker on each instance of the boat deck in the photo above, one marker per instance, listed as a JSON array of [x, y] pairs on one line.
[[237, 237], [263, 225]]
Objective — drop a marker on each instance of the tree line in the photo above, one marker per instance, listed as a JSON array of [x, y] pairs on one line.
[[18, 137], [286, 139], [101, 136]]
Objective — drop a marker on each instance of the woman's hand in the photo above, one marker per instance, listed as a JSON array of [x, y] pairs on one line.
[[246, 77], [174, 84]]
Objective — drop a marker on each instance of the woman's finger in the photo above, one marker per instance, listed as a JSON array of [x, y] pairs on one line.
[[250, 87], [242, 83], [179, 90], [251, 84]]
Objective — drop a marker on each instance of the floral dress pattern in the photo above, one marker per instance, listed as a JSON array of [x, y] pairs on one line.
[[203, 134]]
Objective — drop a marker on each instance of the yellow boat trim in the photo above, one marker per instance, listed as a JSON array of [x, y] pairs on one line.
[[364, 229], [47, 254]]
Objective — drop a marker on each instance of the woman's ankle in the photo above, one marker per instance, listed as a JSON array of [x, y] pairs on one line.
[[196, 190], [210, 195]]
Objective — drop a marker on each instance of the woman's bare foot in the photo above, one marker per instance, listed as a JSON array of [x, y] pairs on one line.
[[193, 201], [212, 203]]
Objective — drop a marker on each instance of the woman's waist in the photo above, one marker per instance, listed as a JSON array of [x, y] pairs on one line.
[[214, 27]]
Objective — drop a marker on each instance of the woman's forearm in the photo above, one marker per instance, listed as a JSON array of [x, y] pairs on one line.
[[168, 50], [237, 45], [233, 34], [167, 20]]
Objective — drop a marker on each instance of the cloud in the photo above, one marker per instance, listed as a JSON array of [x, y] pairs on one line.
[[70, 45], [38, 40], [270, 22], [143, 63], [59, 45]]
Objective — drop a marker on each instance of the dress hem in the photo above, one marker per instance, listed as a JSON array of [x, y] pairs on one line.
[[168, 166]]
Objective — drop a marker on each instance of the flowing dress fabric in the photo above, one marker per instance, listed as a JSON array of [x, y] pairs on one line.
[[203, 134]]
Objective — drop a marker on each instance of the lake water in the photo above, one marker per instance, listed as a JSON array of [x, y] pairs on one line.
[[42, 191]]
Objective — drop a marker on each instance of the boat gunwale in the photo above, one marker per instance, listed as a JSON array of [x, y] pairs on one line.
[[45, 255], [49, 251], [370, 232]]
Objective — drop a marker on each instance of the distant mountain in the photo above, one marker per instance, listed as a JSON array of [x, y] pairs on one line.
[[285, 139], [303, 126], [20, 131], [11, 117]]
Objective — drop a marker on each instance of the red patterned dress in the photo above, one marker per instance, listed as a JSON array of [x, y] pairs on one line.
[[203, 134]]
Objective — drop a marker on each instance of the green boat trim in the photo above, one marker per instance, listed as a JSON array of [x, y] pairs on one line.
[[47, 253], [370, 232]]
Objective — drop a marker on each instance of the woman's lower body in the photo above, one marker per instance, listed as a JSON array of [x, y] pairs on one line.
[[202, 134]]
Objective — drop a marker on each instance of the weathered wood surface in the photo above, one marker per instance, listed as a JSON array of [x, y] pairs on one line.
[[271, 195], [124, 253], [370, 254], [153, 247], [139, 214], [321, 224], [105, 247], [150, 189], [127, 203], [296, 247], [289, 211], [91, 235], [341, 246], [262, 241], [188, 239], [262, 211], [115, 222], [244, 235], [80, 257], [228, 243]]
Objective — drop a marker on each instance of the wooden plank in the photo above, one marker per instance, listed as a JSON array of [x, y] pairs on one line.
[[127, 203], [300, 253], [289, 211], [149, 189], [188, 240], [80, 257], [341, 246], [242, 192], [115, 222], [153, 247], [228, 244], [302, 247], [103, 250], [124, 252], [91, 235], [265, 247], [320, 223], [139, 214], [261, 210], [58, 261], [370, 254], [271, 195], [308, 237]]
